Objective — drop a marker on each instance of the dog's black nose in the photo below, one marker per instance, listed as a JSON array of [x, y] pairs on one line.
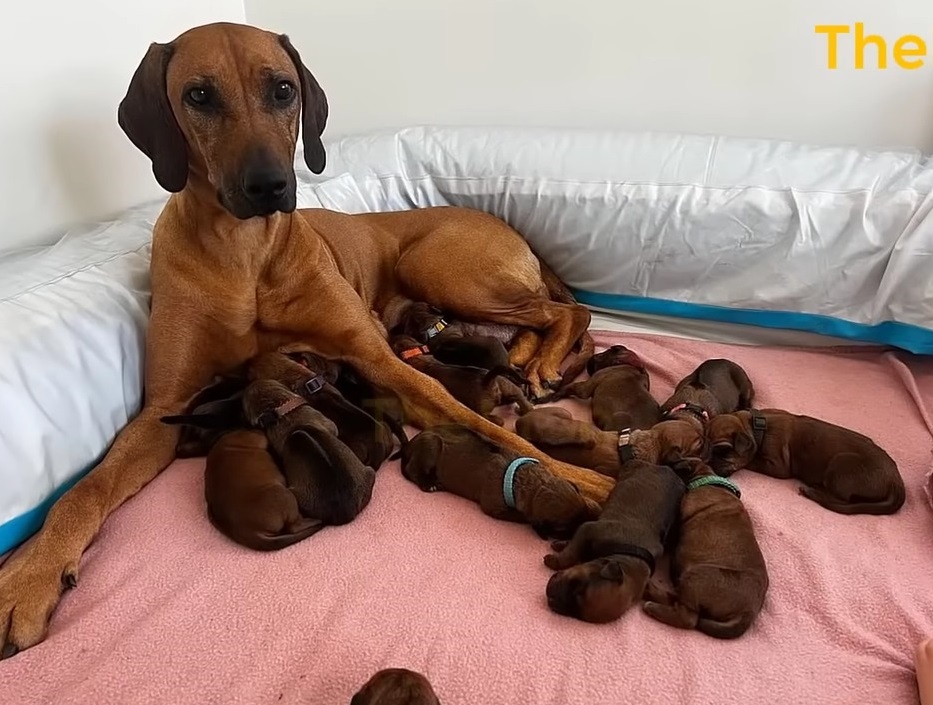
[[265, 185]]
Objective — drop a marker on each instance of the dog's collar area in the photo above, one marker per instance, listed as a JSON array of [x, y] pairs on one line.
[[715, 481], [435, 329], [414, 352], [269, 418], [508, 480], [629, 549], [689, 408], [314, 385], [759, 426], [626, 450]]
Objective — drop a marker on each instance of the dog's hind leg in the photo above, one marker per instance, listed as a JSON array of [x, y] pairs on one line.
[[675, 615]]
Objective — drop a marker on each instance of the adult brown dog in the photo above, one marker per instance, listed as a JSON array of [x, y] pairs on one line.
[[604, 569], [456, 459], [715, 387], [557, 433], [236, 270], [396, 686], [841, 470], [718, 570], [620, 389]]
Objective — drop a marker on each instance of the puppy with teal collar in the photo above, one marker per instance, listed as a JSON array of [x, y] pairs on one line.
[[452, 458]]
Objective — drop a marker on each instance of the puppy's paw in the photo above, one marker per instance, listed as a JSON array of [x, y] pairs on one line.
[[558, 546], [552, 561]]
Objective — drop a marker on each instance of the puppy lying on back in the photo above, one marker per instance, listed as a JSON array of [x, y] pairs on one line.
[[370, 440], [476, 388], [619, 387], [715, 387], [604, 569], [396, 686], [455, 459], [840, 469], [557, 433], [329, 481], [719, 574]]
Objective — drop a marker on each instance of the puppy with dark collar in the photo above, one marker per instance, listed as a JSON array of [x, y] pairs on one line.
[[604, 569], [455, 459], [557, 433], [396, 686], [329, 481], [840, 469], [715, 387], [620, 389], [719, 573], [476, 388], [371, 440]]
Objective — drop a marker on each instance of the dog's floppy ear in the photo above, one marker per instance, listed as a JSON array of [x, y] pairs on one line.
[[611, 570], [313, 110], [146, 117], [743, 442]]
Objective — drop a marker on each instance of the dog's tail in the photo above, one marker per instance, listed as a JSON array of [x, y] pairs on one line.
[[889, 505], [263, 541], [732, 628], [585, 346]]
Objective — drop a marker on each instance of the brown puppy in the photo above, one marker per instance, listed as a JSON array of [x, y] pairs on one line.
[[396, 686], [506, 486], [604, 569], [619, 387], [718, 570], [369, 439], [327, 478], [477, 389], [557, 433], [715, 387], [840, 469]]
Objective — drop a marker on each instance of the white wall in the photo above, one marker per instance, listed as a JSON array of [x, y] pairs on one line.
[[738, 67], [64, 67]]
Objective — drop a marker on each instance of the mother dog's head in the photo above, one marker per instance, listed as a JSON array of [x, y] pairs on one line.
[[220, 105]]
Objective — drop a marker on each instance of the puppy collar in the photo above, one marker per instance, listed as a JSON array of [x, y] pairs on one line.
[[714, 481], [697, 411], [759, 426], [435, 329], [414, 352], [628, 549], [268, 418], [626, 451], [314, 385], [508, 480]]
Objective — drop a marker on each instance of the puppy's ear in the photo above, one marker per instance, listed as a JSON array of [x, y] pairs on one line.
[[146, 116], [743, 442], [593, 509], [611, 570], [314, 110]]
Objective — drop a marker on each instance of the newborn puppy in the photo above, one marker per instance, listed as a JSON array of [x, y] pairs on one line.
[[478, 389], [619, 387], [718, 570], [396, 686], [604, 569], [840, 469], [247, 500], [557, 433], [383, 405], [456, 459], [715, 387], [370, 440], [329, 481]]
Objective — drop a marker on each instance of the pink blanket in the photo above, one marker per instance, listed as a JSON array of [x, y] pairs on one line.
[[170, 611]]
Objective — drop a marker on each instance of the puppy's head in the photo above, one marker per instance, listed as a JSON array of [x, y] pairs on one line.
[[613, 357], [419, 459], [279, 367], [732, 443], [416, 319], [558, 508], [220, 106], [597, 591], [396, 686], [317, 365], [678, 440]]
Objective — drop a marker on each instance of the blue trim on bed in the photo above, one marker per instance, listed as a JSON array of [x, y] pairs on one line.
[[901, 335], [16, 530]]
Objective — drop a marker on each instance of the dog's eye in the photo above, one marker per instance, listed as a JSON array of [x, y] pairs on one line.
[[198, 97], [284, 92]]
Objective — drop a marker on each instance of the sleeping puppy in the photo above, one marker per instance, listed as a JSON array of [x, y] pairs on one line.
[[842, 470], [456, 459], [719, 574], [329, 481], [370, 440], [604, 569], [396, 686], [476, 388], [619, 387], [715, 387], [383, 405], [557, 433]]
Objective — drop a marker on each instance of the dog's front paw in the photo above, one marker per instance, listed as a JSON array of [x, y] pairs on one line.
[[30, 589]]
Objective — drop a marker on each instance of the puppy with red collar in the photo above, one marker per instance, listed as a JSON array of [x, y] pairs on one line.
[[715, 387]]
